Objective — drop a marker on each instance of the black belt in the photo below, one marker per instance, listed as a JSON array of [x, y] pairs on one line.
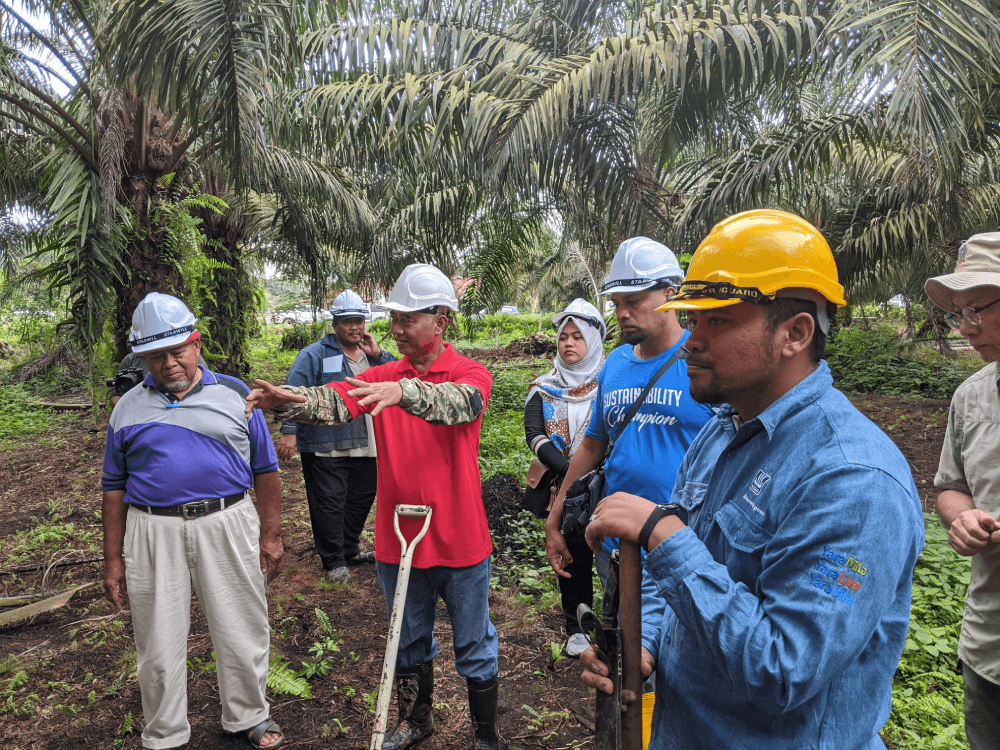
[[194, 509]]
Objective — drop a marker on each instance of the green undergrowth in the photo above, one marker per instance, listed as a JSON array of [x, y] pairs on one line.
[[927, 701], [879, 361], [324, 656], [502, 447], [44, 538], [502, 450], [19, 418], [268, 360]]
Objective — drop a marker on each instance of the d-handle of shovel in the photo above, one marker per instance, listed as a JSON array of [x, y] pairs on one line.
[[396, 622], [410, 511]]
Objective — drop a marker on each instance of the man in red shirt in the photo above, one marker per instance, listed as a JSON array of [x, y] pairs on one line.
[[427, 410]]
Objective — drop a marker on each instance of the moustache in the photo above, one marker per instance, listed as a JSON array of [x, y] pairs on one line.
[[698, 362]]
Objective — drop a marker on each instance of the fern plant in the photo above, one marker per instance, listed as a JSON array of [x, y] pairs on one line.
[[927, 694], [324, 621], [286, 681], [321, 663]]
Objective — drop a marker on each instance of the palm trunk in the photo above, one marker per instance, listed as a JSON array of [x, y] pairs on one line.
[[231, 304]]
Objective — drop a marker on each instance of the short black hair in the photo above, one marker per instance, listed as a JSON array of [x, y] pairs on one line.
[[783, 308], [436, 310], [666, 284]]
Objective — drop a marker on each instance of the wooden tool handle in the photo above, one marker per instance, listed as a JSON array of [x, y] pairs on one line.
[[630, 620]]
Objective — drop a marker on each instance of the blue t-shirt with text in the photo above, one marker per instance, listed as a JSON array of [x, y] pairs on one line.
[[646, 456]]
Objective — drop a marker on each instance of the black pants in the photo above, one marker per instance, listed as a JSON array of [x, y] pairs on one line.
[[341, 492], [579, 587]]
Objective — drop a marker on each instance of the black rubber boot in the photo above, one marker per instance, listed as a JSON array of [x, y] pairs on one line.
[[414, 692], [483, 698]]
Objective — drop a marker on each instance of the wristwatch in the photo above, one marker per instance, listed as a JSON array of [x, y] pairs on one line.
[[667, 509]]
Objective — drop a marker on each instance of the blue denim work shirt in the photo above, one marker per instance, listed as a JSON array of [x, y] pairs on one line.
[[318, 364], [778, 616]]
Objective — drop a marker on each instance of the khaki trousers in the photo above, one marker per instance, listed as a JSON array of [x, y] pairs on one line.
[[219, 555]]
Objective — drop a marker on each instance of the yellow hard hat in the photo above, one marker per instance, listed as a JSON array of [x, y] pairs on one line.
[[751, 256]]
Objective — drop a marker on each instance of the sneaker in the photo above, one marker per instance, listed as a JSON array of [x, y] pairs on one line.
[[338, 575], [576, 645], [362, 558]]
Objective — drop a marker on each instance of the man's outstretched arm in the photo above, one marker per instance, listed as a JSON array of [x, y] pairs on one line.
[[306, 404], [437, 403]]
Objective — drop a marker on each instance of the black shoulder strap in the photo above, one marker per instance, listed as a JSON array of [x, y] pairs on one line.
[[681, 351]]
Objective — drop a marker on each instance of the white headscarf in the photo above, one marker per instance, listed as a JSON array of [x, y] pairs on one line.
[[568, 390]]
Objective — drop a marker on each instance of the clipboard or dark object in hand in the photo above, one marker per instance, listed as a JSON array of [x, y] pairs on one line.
[[537, 495]]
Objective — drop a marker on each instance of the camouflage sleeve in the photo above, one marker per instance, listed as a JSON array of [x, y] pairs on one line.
[[441, 403], [325, 406]]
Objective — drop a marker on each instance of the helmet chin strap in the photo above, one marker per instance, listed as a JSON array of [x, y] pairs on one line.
[[797, 292]]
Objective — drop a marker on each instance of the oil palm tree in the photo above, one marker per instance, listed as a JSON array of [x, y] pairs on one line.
[[117, 157], [562, 105]]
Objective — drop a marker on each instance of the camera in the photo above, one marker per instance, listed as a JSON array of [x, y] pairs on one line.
[[125, 380]]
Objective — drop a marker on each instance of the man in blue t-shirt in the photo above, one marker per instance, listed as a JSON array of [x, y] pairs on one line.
[[648, 451]]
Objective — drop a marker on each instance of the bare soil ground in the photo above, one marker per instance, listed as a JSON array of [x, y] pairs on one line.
[[79, 688]]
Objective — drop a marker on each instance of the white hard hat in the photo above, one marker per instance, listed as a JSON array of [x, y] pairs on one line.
[[348, 304], [581, 310], [160, 322], [639, 264], [420, 286]]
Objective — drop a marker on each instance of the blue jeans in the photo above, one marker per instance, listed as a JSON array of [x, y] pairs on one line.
[[465, 592]]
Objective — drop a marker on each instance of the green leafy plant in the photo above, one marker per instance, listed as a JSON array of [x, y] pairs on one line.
[[539, 719], [127, 729], [284, 680], [555, 652], [322, 651], [927, 690], [208, 666], [371, 700], [879, 361]]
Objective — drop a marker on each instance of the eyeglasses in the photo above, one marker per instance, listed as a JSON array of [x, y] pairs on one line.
[[971, 314]]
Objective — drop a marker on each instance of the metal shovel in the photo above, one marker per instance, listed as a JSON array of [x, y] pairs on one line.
[[396, 621]]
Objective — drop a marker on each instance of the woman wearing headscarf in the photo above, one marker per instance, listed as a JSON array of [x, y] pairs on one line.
[[555, 419]]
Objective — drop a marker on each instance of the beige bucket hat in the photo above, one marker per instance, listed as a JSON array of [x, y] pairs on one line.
[[978, 265]]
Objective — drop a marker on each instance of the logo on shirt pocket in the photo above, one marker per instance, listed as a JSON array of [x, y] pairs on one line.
[[759, 481]]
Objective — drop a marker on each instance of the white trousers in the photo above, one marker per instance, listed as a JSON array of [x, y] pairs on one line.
[[220, 555]]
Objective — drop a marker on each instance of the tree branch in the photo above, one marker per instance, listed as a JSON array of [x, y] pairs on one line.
[[60, 111], [27, 123], [21, 104]]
